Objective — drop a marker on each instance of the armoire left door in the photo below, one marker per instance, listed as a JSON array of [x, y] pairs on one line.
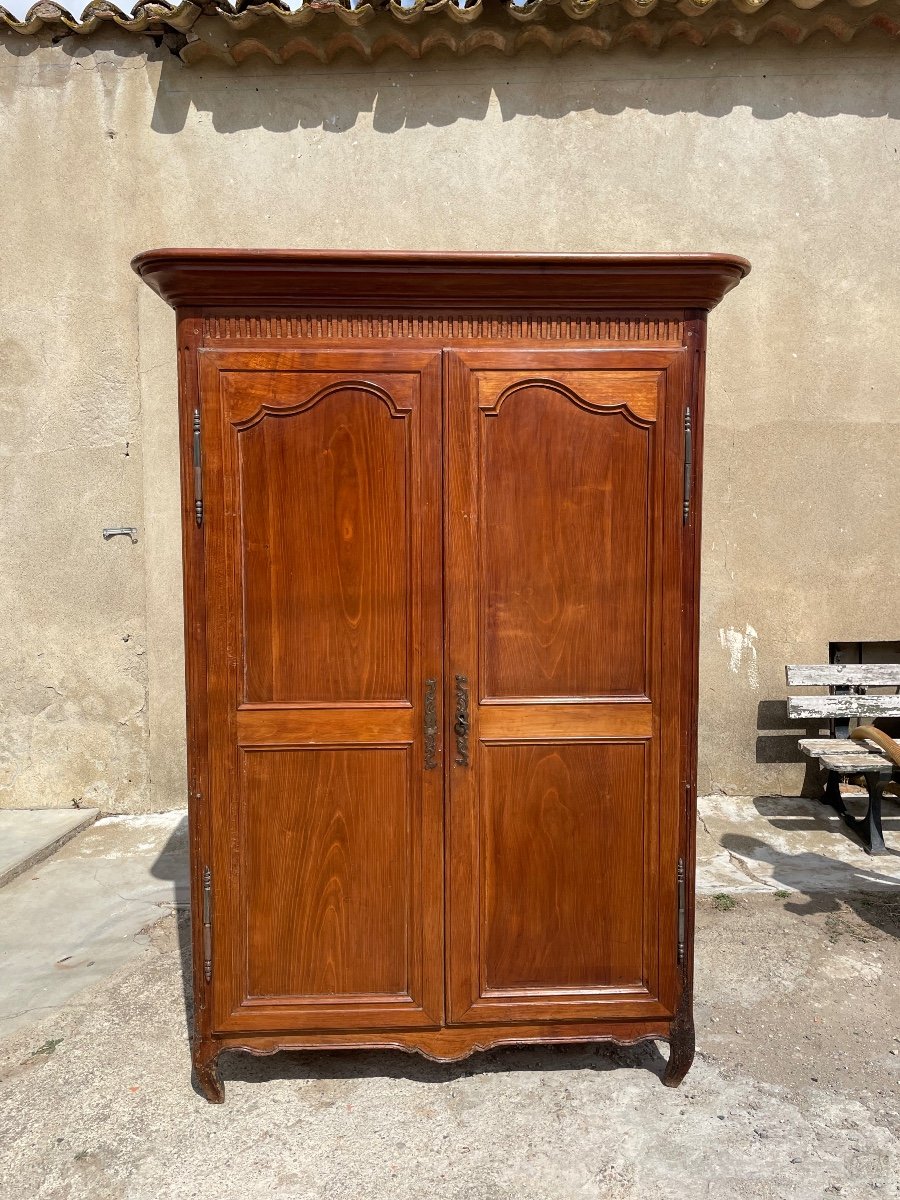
[[323, 578]]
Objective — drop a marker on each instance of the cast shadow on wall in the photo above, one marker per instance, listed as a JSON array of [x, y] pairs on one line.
[[778, 742], [441, 89], [770, 80]]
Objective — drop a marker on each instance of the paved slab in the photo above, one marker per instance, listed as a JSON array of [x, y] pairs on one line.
[[775, 843], [29, 835], [68, 923]]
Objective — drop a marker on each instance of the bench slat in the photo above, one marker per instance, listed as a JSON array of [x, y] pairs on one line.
[[853, 763], [815, 747], [868, 674], [800, 707]]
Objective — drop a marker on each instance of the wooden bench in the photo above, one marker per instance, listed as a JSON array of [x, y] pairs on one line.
[[857, 755]]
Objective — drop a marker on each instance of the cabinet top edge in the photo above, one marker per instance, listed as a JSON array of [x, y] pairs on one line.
[[198, 278]]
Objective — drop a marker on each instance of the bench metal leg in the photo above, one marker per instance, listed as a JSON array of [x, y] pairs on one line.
[[868, 828], [833, 793]]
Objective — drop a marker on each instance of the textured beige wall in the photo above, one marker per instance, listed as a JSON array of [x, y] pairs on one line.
[[109, 147]]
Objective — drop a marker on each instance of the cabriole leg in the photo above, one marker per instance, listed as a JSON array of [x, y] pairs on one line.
[[206, 1068], [681, 1049]]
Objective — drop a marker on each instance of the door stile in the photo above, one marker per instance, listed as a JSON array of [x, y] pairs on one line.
[[430, 657], [694, 395], [672, 659], [221, 689], [193, 564], [655, 679], [461, 651]]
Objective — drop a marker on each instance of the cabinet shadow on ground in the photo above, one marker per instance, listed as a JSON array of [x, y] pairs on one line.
[[399, 1064]]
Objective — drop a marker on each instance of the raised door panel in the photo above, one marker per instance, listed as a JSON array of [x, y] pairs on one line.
[[563, 626], [323, 564], [326, 859], [552, 875], [340, 630], [562, 493]]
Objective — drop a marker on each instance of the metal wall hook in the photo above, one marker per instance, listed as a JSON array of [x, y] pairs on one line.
[[124, 530]]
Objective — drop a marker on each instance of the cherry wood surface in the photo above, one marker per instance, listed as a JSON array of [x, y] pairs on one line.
[[340, 632], [559, 518], [548, 816], [564, 530], [296, 277], [322, 516], [441, 631], [326, 861]]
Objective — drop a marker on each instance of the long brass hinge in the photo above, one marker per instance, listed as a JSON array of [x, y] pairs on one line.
[[198, 470], [688, 467], [681, 916], [207, 924]]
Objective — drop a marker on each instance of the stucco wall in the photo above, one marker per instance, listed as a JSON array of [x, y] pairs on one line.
[[787, 156]]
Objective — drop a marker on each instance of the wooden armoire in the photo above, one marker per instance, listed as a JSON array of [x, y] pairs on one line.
[[441, 535]]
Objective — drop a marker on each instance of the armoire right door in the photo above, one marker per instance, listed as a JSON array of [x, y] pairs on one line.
[[565, 681]]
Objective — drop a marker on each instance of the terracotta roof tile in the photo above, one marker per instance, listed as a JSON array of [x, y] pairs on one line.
[[323, 28]]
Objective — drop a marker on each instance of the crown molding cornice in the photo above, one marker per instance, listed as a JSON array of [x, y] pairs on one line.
[[297, 278]]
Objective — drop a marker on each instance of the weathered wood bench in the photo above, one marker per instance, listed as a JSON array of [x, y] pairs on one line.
[[866, 752]]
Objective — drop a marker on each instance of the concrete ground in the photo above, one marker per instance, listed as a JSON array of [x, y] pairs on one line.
[[28, 836], [71, 920], [772, 843], [795, 1091]]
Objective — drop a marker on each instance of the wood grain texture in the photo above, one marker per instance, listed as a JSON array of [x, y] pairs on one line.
[[194, 591], [813, 747], [845, 747], [299, 725], [810, 707], [563, 500], [561, 612], [559, 719], [854, 763], [450, 1044], [323, 532], [326, 871], [299, 278], [325, 546], [864, 674], [633, 392], [562, 872]]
